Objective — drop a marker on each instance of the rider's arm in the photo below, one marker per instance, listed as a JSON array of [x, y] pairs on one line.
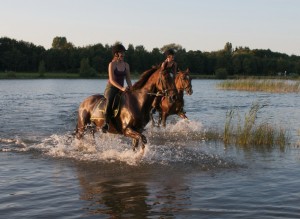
[[128, 77], [163, 65]]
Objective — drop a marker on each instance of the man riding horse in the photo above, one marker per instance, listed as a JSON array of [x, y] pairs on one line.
[[168, 66]]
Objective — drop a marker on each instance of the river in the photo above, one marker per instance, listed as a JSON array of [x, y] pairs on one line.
[[46, 173]]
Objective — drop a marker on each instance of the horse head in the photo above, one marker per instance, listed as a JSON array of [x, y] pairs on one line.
[[183, 81], [166, 85]]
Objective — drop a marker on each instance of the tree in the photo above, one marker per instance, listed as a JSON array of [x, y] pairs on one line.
[[42, 68], [61, 43], [221, 73], [228, 48], [86, 70], [175, 47], [297, 67]]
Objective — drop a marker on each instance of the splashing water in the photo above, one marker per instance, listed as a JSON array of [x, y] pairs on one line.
[[162, 148]]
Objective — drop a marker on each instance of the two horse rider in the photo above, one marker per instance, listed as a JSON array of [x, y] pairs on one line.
[[119, 71]]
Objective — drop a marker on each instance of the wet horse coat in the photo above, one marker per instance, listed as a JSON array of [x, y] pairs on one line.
[[135, 106], [183, 83]]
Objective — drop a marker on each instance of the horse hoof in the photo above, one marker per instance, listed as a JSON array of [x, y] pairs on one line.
[[105, 128], [78, 136], [183, 116]]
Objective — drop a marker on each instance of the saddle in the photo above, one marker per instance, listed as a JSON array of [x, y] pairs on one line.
[[99, 112]]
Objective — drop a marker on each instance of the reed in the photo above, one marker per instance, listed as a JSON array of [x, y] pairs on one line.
[[267, 85], [247, 133]]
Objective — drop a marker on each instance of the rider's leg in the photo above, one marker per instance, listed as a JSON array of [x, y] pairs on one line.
[[109, 94]]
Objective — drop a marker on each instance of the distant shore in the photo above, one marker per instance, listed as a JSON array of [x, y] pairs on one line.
[[64, 75]]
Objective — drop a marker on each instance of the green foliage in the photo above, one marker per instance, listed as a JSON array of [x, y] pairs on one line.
[[86, 71], [274, 86], [20, 56], [61, 43], [221, 73], [248, 133], [11, 75], [174, 46], [42, 69]]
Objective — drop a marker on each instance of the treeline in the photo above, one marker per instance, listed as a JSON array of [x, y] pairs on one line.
[[92, 60]]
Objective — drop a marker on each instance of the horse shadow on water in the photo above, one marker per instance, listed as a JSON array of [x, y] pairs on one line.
[[134, 107]]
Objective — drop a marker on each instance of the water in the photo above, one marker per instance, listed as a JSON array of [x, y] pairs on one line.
[[45, 173]]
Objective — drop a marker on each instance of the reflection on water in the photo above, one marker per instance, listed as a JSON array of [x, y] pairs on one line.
[[131, 195]]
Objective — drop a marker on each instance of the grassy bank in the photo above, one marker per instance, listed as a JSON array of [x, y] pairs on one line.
[[266, 85], [247, 133], [53, 75], [36, 75], [64, 75]]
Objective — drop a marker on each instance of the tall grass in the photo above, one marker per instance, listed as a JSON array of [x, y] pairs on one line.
[[275, 86], [247, 133]]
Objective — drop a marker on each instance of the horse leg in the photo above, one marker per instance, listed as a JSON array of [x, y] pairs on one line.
[[135, 144], [94, 129], [159, 118], [164, 118], [151, 117], [182, 115], [81, 124], [79, 129], [136, 136]]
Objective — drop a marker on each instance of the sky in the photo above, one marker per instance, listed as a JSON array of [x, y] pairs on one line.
[[205, 25]]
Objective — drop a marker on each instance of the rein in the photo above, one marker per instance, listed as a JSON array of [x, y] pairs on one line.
[[163, 92]]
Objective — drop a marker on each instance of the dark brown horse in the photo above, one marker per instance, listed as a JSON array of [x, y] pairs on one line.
[[134, 107], [183, 83]]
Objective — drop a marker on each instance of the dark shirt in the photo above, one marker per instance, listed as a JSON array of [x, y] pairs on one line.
[[120, 76]]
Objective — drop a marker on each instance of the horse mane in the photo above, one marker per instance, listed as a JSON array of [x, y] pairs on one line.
[[144, 77]]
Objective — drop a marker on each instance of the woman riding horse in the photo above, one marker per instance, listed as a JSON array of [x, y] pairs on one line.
[[118, 70], [134, 107]]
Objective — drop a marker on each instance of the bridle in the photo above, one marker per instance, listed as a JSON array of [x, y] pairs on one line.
[[164, 92], [184, 83]]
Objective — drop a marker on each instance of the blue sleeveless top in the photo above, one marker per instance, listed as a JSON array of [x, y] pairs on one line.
[[120, 76]]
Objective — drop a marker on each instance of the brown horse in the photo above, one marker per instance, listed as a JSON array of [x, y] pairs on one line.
[[134, 107], [183, 83]]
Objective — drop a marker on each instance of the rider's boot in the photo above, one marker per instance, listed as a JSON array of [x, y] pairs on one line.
[[105, 126]]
